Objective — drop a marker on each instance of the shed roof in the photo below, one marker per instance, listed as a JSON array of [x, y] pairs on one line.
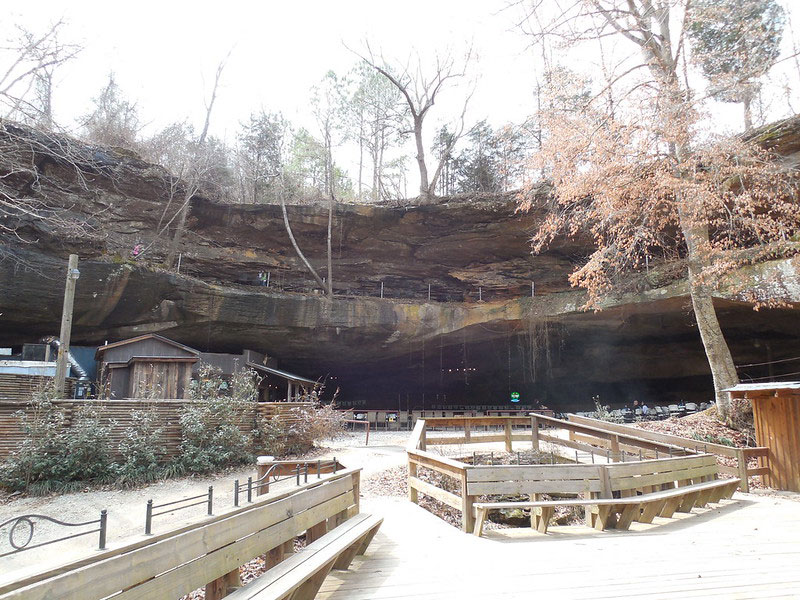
[[771, 385], [285, 374], [146, 336]]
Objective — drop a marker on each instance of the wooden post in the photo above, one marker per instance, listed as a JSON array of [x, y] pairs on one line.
[[615, 447], [535, 434], [66, 324], [357, 491], [423, 438], [412, 472], [741, 460], [508, 436], [467, 516]]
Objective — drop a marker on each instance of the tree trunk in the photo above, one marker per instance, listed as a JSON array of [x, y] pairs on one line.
[[179, 229], [748, 112], [720, 361], [424, 189]]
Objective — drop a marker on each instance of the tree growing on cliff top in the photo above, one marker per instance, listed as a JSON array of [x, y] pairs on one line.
[[636, 174], [736, 42], [420, 87]]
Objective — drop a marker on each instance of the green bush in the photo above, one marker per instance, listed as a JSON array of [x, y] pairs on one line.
[[52, 458], [141, 449], [211, 428]]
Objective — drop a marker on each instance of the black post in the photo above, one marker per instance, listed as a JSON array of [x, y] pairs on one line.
[[148, 519], [298, 473], [640, 454], [305, 474], [319, 468], [335, 465], [656, 453], [211, 500], [250, 489], [236, 492], [103, 528]]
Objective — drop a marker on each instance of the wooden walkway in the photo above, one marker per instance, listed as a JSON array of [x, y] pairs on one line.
[[748, 548]]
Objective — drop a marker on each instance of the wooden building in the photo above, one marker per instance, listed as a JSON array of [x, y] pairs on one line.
[[275, 385], [776, 416], [148, 366]]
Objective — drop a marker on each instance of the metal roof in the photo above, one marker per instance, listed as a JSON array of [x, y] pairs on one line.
[[279, 373], [146, 336], [772, 385]]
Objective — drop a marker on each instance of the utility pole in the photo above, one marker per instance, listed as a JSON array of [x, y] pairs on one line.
[[66, 324]]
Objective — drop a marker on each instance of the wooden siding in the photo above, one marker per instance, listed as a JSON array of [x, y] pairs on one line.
[[777, 424], [146, 347]]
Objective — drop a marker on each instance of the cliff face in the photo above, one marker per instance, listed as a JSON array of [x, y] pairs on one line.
[[403, 350]]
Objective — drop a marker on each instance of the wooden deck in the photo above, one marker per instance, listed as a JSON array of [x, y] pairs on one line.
[[748, 548]]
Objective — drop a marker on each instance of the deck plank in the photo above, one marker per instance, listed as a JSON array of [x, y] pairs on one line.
[[745, 548]]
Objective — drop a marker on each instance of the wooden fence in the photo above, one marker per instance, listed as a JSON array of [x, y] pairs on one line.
[[605, 447], [119, 415], [741, 456]]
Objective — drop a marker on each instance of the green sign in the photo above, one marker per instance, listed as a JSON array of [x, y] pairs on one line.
[[515, 396]]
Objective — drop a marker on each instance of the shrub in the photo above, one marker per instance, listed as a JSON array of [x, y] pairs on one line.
[[141, 449], [211, 428], [304, 427], [51, 458]]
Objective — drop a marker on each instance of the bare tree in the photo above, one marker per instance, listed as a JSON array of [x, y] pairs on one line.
[[420, 90], [27, 63], [198, 162], [638, 175]]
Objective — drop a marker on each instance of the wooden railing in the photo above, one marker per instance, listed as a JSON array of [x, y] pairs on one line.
[[210, 552], [589, 480], [740, 455]]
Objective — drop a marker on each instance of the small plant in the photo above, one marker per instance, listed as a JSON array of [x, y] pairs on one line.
[[603, 414]]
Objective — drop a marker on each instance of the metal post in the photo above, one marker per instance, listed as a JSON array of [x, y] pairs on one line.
[[319, 469], [480, 294], [519, 460], [178, 269], [552, 457], [335, 465], [429, 292], [148, 519], [576, 457], [608, 455], [250, 488], [305, 474], [268, 274], [66, 324], [103, 528], [381, 289], [492, 458], [592, 453], [236, 492], [210, 500], [622, 455], [532, 290], [656, 453], [640, 454], [670, 451], [298, 473]]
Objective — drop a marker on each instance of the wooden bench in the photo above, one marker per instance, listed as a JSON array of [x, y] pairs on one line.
[[300, 577], [644, 490], [209, 553]]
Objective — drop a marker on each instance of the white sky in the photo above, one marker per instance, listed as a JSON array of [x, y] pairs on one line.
[[164, 54]]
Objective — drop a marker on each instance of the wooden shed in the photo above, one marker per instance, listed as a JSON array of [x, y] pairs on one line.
[[148, 366], [776, 416]]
